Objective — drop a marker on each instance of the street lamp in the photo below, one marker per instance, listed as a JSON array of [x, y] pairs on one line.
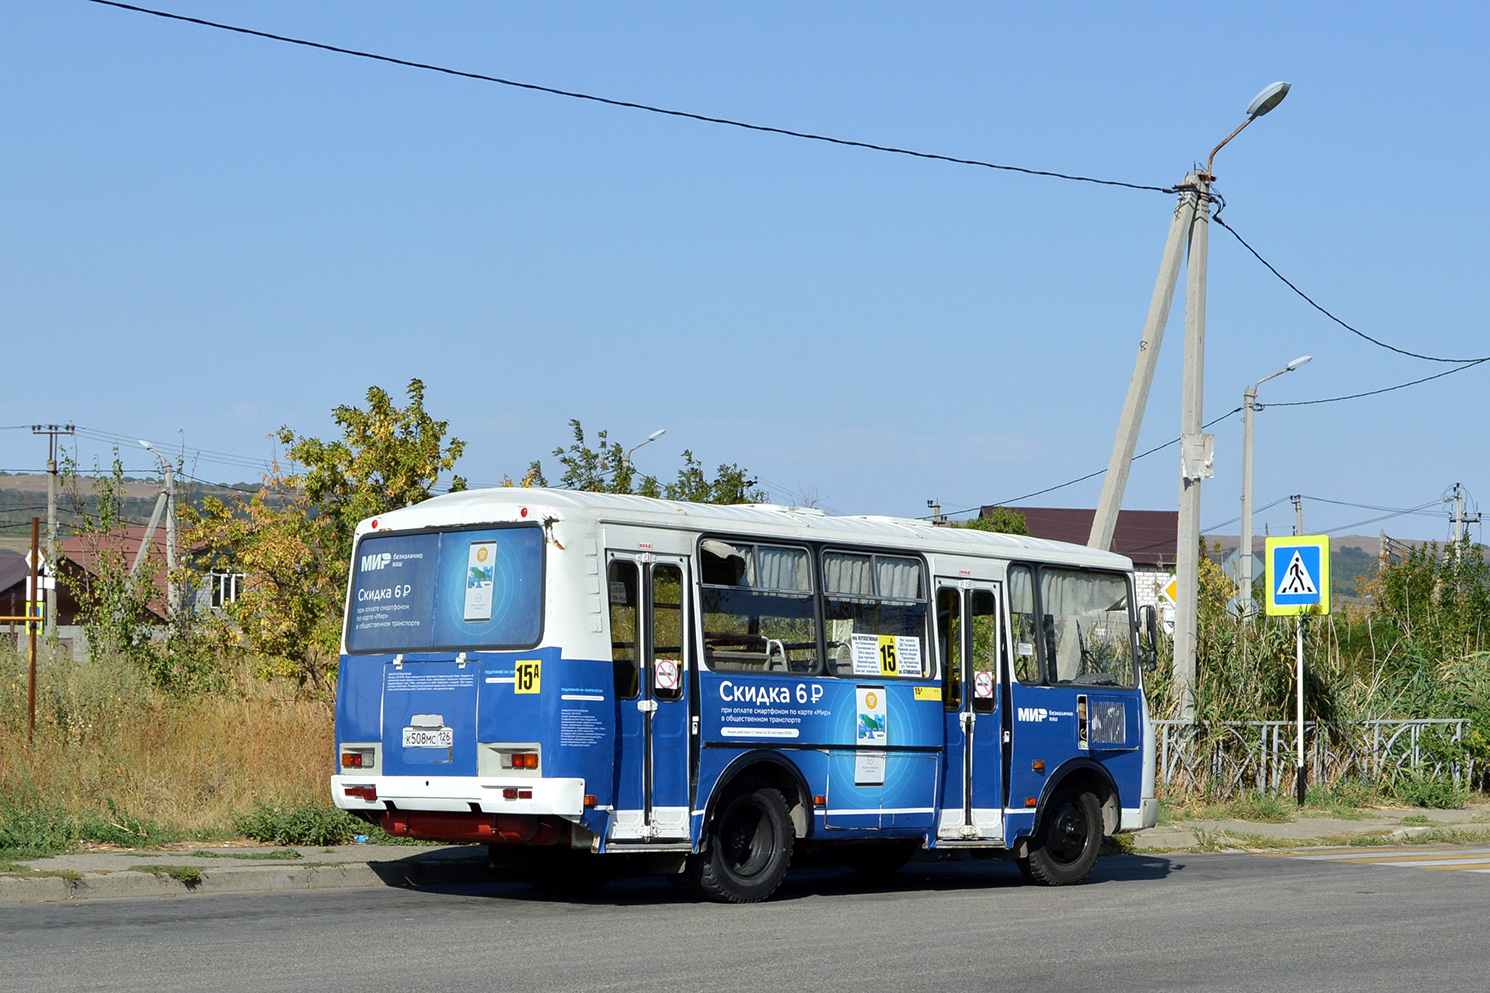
[[1190, 228], [1261, 104], [650, 438], [1249, 406]]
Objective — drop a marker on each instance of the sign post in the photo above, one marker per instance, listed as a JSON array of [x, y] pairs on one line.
[[1298, 583]]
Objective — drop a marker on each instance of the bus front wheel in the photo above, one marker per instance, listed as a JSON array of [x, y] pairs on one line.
[[749, 846], [1068, 842]]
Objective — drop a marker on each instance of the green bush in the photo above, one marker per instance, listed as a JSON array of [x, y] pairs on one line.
[[112, 826], [1254, 805], [299, 823], [1346, 797], [1424, 791], [32, 826]]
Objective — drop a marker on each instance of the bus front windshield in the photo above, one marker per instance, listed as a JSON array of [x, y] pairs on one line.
[[432, 591]]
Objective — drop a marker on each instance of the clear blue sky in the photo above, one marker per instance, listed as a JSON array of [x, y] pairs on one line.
[[207, 236]]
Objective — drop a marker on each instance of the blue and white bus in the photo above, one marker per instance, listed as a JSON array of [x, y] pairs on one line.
[[574, 678]]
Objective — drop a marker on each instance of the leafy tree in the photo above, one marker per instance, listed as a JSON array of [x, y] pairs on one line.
[[388, 457], [293, 538], [113, 602], [1438, 601], [1002, 520], [605, 469]]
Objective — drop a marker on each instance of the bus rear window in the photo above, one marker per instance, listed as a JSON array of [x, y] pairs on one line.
[[447, 590]]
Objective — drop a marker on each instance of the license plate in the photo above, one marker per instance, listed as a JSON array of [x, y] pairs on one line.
[[416, 737]]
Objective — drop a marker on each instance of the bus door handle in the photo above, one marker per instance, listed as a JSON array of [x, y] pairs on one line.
[[968, 719], [647, 706]]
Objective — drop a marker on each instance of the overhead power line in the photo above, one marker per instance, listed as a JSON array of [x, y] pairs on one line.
[[1371, 393], [629, 104], [1353, 330], [1081, 479], [1398, 511], [1383, 517]]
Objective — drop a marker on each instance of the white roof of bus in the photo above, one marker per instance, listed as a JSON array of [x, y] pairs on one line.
[[502, 505]]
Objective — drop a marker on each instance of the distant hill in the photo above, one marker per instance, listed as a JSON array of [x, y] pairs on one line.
[[24, 496], [1353, 557]]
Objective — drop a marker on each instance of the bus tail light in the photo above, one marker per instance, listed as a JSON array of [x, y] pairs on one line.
[[351, 760], [367, 792], [591, 800], [521, 760]]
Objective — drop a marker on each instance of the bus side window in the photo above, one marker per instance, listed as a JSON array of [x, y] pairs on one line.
[[758, 611], [949, 645], [877, 596], [983, 622], [1088, 627], [1025, 632], [624, 605], [667, 625]]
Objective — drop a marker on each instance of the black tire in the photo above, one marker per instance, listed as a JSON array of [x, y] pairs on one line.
[[1066, 847], [749, 846], [881, 861]]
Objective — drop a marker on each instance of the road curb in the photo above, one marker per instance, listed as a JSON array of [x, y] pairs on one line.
[[137, 884]]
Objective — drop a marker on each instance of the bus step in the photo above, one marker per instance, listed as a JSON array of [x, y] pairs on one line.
[[642, 846]]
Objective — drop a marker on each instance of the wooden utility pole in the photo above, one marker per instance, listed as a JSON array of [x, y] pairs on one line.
[[33, 597]]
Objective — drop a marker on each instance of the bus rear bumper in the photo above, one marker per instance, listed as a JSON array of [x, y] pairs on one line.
[[461, 794]]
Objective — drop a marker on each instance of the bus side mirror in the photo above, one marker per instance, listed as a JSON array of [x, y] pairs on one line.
[[1148, 643]]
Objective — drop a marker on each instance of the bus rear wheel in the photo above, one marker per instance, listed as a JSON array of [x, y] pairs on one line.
[[1068, 842], [749, 846]]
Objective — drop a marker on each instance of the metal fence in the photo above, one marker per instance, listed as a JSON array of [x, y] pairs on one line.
[[1223, 759]]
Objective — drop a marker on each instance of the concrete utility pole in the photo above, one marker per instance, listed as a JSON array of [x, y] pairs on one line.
[[173, 595], [1298, 513], [52, 431], [1116, 480], [1460, 518], [1244, 562], [1196, 459]]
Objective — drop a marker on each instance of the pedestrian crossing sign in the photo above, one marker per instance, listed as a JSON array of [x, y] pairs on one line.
[[1298, 575]]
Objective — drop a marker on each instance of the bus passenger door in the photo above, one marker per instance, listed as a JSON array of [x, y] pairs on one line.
[[651, 659], [968, 644]]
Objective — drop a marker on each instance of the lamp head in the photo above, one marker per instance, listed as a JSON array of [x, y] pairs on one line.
[[656, 434], [1301, 360], [1268, 99]]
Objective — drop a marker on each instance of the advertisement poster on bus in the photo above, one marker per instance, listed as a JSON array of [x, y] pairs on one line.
[[873, 722]]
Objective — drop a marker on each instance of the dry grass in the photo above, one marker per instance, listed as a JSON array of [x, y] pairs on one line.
[[186, 763]]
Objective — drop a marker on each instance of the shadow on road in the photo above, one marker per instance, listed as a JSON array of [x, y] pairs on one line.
[[929, 874]]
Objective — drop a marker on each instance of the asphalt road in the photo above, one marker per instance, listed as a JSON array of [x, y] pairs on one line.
[[1195, 922]]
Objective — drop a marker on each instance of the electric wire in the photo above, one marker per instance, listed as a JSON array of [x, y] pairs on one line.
[[1374, 520], [1368, 506], [1371, 393], [199, 454], [1091, 475], [629, 104], [1353, 330], [1238, 518]]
